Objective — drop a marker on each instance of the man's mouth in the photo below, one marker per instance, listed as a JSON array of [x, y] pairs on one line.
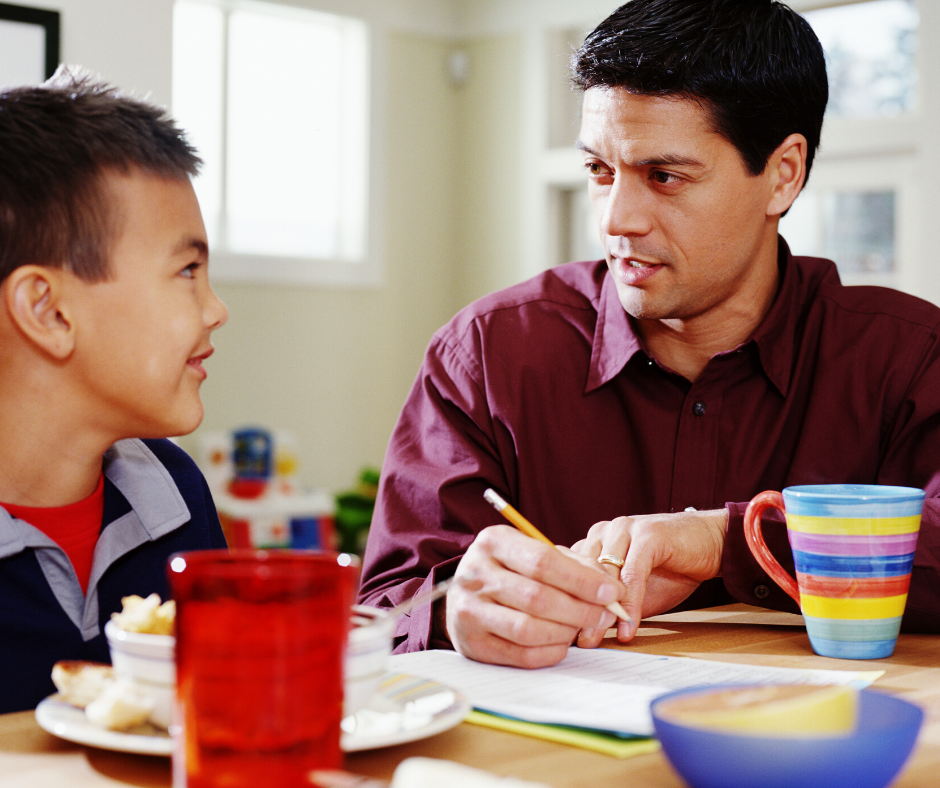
[[633, 272]]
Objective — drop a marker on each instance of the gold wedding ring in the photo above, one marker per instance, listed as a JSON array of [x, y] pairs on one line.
[[608, 558]]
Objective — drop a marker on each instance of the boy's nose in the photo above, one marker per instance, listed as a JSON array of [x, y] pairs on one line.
[[216, 311]]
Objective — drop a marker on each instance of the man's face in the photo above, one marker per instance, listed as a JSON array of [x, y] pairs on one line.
[[683, 224], [144, 332]]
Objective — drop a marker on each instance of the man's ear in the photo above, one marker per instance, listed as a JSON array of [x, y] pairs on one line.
[[34, 300], [788, 167]]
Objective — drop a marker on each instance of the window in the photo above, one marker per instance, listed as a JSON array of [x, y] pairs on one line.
[[276, 100], [858, 206], [870, 56]]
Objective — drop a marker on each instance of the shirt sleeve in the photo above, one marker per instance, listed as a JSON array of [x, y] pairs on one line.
[[441, 457], [912, 458]]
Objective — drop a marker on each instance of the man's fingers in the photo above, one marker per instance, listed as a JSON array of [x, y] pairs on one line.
[[636, 570], [591, 637], [517, 601], [560, 569], [494, 650], [522, 606]]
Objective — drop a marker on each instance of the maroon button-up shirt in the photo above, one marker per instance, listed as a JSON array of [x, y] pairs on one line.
[[545, 393]]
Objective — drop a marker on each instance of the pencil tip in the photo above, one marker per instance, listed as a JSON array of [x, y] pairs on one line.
[[617, 609]]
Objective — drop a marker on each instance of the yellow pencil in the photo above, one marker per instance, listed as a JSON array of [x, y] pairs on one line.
[[501, 506]]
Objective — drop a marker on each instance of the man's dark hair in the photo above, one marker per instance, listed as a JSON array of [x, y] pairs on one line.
[[756, 65], [58, 142]]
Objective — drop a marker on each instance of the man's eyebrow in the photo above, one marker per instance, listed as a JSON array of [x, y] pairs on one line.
[[669, 160], [665, 160]]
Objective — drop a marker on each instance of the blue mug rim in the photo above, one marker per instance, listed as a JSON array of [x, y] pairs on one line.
[[853, 492]]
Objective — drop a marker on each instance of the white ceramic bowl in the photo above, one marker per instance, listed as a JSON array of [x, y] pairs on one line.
[[367, 652], [149, 662]]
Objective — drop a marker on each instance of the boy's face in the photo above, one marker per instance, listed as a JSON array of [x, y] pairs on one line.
[[142, 335]]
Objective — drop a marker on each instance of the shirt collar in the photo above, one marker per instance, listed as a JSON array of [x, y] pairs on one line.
[[141, 478], [615, 341], [775, 337], [147, 485]]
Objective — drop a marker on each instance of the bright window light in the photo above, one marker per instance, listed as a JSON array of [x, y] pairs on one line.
[[870, 56], [276, 100]]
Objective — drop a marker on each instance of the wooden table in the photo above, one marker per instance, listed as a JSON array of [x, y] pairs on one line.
[[31, 758]]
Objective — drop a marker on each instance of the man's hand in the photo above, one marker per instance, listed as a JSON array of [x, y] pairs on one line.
[[517, 601], [666, 557]]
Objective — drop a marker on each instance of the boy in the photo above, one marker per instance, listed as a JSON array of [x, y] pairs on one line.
[[105, 320]]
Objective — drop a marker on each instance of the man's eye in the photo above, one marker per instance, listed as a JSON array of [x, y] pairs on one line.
[[664, 177]]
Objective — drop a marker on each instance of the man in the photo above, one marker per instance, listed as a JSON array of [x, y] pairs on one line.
[[631, 407]]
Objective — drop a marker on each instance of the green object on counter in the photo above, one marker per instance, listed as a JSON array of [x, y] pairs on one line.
[[354, 512]]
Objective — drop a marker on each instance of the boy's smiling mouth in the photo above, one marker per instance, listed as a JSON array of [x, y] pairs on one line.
[[196, 361]]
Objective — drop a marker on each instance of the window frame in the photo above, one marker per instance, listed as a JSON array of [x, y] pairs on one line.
[[49, 22], [876, 154], [367, 269]]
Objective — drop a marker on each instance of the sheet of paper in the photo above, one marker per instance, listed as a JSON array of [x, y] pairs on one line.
[[603, 689]]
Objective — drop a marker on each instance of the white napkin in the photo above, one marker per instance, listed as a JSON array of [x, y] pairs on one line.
[[434, 773]]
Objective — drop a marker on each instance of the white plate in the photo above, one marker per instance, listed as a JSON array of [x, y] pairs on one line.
[[68, 722], [404, 709]]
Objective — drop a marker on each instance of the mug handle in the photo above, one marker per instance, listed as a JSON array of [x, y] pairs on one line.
[[755, 540]]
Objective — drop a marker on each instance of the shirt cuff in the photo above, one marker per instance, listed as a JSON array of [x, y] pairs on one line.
[[415, 630]]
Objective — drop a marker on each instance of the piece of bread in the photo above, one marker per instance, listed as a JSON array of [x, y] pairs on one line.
[[146, 615], [79, 682], [120, 706]]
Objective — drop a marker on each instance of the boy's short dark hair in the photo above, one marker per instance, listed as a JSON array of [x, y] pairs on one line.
[[756, 65], [58, 142]]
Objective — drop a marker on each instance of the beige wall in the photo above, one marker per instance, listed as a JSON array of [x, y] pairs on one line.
[[491, 167], [333, 365]]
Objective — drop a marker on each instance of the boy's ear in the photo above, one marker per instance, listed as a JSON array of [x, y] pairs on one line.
[[35, 304]]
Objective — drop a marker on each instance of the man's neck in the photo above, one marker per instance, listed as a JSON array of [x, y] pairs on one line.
[[680, 348], [685, 346]]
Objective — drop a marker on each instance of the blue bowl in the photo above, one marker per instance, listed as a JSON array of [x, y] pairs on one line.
[[870, 757]]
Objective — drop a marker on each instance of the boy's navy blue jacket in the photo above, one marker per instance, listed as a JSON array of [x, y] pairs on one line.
[[156, 503]]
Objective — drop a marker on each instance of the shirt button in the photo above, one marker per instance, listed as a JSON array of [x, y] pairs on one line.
[[699, 408], [761, 591]]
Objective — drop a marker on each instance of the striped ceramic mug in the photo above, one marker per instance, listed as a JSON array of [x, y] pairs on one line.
[[853, 548]]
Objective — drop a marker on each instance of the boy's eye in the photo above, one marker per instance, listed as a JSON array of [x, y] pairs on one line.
[[190, 270]]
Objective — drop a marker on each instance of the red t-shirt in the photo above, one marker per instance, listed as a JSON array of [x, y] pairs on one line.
[[74, 527]]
